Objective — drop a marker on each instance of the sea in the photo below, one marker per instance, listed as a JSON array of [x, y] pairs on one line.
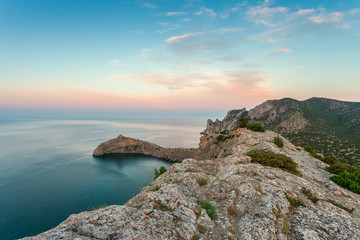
[[47, 171]]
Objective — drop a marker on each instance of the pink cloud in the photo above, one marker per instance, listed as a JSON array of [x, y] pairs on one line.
[[332, 17], [203, 92], [284, 50], [176, 39]]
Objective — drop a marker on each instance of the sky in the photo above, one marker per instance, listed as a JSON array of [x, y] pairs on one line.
[[173, 54]]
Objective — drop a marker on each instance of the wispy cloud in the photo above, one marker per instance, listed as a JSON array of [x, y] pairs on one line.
[[177, 39], [185, 20], [231, 83], [283, 50], [230, 30], [169, 27], [266, 15], [333, 17], [305, 11], [116, 63], [149, 5], [175, 13], [206, 11]]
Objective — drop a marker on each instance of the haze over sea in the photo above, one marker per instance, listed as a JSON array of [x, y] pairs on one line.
[[47, 171]]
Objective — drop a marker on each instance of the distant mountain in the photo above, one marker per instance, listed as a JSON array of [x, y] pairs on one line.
[[329, 126]]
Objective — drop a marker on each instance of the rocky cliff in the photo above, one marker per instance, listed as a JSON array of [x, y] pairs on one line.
[[228, 123], [243, 200]]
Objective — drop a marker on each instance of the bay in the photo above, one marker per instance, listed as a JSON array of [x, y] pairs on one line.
[[47, 171]]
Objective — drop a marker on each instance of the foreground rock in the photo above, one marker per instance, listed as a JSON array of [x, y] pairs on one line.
[[249, 200], [123, 144]]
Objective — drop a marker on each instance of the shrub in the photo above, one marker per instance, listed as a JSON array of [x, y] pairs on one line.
[[224, 132], [307, 192], [340, 167], [269, 158], [256, 127], [331, 159], [278, 141], [313, 153], [243, 122], [210, 209], [277, 214], [223, 138], [232, 211], [157, 173], [155, 188], [295, 202], [202, 229], [202, 181], [339, 205], [348, 180]]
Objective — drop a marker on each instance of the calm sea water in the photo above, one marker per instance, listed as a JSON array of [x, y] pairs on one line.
[[47, 171]]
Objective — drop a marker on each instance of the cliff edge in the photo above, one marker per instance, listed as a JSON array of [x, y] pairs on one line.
[[229, 197]]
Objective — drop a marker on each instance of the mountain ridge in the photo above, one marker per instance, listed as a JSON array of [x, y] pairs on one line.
[[332, 127]]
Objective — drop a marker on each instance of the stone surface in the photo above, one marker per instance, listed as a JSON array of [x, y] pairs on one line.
[[228, 123], [249, 200]]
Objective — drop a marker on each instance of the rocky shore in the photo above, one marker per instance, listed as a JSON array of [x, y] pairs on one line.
[[245, 200]]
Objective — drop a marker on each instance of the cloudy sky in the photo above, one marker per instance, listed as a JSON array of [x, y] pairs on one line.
[[173, 54]]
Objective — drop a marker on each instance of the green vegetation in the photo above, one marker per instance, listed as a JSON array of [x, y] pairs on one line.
[[224, 132], [278, 141], [223, 138], [307, 192], [243, 122], [210, 209], [256, 127], [332, 126], [347, 176], [339, 167], [157, 173], [202, 181], [97, 207], [155, 188], [269, 158], [348, 180], [295, 202], [313, 152], [339, 205]]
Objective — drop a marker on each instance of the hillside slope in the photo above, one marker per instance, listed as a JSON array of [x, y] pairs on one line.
[[247, 200], [329, 126]]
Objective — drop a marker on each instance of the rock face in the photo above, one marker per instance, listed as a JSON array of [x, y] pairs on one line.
[[228, 123], [123, 144], [249, 200]]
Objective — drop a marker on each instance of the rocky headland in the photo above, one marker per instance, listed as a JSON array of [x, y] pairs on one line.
[[221, 193], [125, 145]]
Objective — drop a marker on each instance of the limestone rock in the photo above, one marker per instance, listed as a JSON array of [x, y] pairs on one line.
[[249, 200], [228, 123]]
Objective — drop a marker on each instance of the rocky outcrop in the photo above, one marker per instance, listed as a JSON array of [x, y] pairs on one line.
[[230, 122], [123, 144], [249, 199]]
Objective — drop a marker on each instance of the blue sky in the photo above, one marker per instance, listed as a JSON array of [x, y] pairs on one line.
[[176, 54]]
